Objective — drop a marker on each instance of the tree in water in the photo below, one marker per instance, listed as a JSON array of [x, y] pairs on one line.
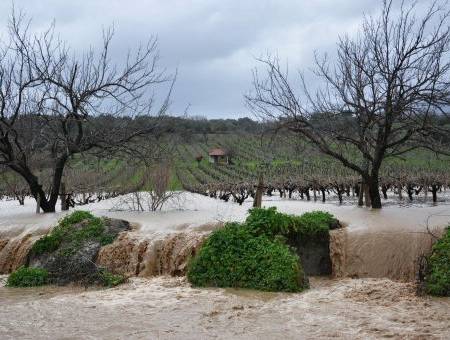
[[56, 103], [385, 94]]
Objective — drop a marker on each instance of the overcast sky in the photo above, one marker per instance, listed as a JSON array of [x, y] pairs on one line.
[[212, 43]]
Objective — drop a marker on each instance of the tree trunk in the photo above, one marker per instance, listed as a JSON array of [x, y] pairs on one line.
[[21, 199], [384, 189], [410, 192], [400, 192], [38, 206], [323, 195], [339, 193], [63, 198], [374, 192], [60, 163], [39, 194], [259, 193], [367, 198], [46, 204], [434, 190], [361, 194]]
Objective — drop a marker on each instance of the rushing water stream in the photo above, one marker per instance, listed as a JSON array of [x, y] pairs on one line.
[[377, 244], [168, 308]]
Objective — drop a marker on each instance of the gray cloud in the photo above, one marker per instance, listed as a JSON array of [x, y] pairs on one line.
[[212, 43]]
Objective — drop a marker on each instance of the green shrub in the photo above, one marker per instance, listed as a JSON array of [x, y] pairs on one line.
[[75, 217], [234, 257], [270, 222], [27, 277], [437, 280], [110, 280], [93, 229], [46, 244], [107, 239], [314, 224]]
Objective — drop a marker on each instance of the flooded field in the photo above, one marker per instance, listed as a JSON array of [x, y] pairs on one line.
[[361, 302], [189, 211], [374, 243], [168, 308]]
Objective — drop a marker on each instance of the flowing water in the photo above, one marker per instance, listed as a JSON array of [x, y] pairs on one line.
[[168, 308], [135, 255], [376, 244], [14, 251], [384, 247], [378, 254]]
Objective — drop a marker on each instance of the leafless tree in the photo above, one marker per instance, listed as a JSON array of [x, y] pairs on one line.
[[159, 181], [13, 185], [56, 103], [384, 95]]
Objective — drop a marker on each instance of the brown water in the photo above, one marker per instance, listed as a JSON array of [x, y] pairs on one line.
[[379, 253], [14, 251], [134, 254], [375, 252], [24, 295], [168, 308], [376, 243]]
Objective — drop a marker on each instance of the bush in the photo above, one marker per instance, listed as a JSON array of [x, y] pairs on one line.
[[314, 224], [93, 229], [109, 280], [234, 257], [46, 244], [270, 222], [437, 280], [27, 277], [75, 217]]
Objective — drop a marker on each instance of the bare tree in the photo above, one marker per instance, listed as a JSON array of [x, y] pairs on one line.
[[13, 185], [57, 103], [158, 181], [382, 97]]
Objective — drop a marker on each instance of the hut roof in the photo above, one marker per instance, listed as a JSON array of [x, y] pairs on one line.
[[217, 152]]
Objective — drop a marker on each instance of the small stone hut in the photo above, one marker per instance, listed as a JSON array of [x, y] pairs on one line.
[[219, 156]]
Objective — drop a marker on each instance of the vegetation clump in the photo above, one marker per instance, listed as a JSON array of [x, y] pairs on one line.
[[27, 277], [270, 251], [109, 279], [73, 234], [270, 222], [437, 280], [69, 252], [233, 257], [315, 224]]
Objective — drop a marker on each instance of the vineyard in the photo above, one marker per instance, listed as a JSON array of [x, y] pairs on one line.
[[291, 171], [287, 170], [83, 182]]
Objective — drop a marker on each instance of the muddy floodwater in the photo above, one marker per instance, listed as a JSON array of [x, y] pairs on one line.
[[361, 302], [168, 308]]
